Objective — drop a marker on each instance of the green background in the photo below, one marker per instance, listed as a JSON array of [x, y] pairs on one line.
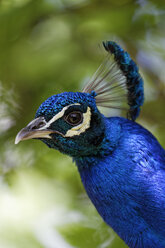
[[47, 47]]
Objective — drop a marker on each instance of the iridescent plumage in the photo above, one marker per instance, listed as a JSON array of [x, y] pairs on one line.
[[121, 164]]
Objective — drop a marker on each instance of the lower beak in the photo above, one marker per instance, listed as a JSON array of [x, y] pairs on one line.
[[26, 134], [35, 129], [38, 128]]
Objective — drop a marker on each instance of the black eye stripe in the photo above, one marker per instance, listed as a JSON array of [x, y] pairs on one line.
[[62, 124], [75, 128]]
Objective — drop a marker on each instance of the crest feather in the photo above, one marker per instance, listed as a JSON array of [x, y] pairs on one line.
[[117, 82]]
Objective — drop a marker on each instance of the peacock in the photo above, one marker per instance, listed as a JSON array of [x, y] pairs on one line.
[[121, 164]]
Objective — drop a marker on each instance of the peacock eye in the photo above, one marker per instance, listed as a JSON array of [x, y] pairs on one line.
[[74, 118]]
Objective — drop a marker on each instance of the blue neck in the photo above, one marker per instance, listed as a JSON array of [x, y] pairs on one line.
[[111, 179], [107, 146]]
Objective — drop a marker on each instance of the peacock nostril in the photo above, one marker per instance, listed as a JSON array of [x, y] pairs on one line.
[[37, 123], [41, 124], [34, 127]]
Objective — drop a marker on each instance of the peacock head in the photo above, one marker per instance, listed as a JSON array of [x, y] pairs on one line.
[[72, 123], [69, 122]]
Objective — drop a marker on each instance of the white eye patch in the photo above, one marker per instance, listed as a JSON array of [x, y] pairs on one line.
[[57, 116], [76, 130], [81, 128]]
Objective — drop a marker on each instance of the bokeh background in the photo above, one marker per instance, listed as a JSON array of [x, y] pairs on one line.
[[47, 47]]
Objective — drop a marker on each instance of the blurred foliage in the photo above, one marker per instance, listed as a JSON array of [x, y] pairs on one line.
[[47, 47]]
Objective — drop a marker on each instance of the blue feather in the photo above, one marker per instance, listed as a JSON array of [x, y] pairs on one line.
[[121, 164], [134, 81], [129, 183]]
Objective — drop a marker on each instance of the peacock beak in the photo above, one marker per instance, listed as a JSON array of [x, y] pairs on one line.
[[35, 129]]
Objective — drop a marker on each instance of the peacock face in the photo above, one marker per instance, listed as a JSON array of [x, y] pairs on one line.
[[69, 122]]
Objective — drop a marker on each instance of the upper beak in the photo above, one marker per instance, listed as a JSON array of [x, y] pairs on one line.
[[35, 129]]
